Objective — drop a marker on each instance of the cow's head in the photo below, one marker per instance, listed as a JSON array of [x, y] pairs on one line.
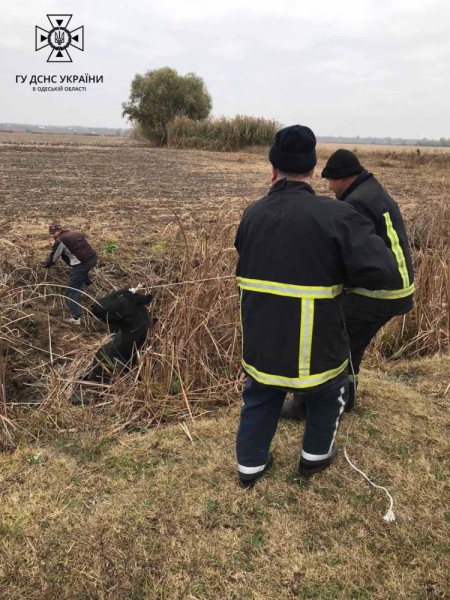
[[122, 307]]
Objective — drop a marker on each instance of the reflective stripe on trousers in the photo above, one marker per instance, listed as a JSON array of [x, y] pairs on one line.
[[307, 456], [259, 419]]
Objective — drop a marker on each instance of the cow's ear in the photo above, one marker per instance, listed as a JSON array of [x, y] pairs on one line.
[[144, 299]]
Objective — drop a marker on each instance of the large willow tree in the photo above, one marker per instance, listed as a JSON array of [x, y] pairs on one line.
[[160, 95]]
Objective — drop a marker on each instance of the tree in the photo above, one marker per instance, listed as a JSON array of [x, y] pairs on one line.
[[160, 95]]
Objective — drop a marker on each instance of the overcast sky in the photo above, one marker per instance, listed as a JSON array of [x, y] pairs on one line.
[[367, 67]]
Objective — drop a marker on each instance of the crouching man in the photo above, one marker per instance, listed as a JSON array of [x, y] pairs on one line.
[[76, 252], [296, 250]]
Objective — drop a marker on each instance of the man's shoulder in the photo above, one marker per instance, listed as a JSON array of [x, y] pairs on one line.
[[70, 233], [254, 206], [369, 191], [332, 202], [318, 203], [334, 208]]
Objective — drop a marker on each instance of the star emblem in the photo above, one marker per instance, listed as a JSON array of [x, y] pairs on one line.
[[59, 38]]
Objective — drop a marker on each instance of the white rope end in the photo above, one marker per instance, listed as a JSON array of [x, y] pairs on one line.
[[389, 516]]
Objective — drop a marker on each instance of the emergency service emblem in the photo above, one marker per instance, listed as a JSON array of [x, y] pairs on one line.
[[59, 38]]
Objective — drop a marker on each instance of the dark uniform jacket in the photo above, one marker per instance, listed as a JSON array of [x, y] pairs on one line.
[[296, 252], [370, 199], [72, 247]]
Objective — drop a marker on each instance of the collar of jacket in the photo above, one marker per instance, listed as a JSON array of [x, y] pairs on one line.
[[291, 184], [364, 176]]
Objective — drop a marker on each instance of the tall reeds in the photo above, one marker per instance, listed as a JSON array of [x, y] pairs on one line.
[[191, 364], [426, 329], [221, 134]]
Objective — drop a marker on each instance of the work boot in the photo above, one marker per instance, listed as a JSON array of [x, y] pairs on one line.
[[307, 468], [294, 409], [250, 480]]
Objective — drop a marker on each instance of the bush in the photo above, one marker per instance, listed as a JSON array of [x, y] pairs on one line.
[[227, 135], [136, 132], [159, 96]]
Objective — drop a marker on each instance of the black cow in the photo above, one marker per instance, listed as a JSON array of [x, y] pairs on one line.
[[125, 312]]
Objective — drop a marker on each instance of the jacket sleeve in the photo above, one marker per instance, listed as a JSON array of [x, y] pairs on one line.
[[368, 262], [56, 252]]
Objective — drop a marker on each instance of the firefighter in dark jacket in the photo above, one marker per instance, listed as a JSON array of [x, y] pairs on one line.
[[367, 311], [76, 252], [296, 252]]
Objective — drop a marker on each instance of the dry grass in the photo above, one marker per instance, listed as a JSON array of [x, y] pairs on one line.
[[426, 329], [191, 364], [161, 516], [92, 511], [371, 149]]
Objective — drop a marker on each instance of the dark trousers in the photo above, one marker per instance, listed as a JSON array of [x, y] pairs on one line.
[[360, 332], [79, 276], [259, 419]]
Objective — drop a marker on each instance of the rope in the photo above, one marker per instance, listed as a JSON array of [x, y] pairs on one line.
[[389, 517], [186, 282], [134, 290]]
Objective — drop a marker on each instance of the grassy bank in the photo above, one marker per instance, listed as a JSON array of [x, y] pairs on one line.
[[160, 515]]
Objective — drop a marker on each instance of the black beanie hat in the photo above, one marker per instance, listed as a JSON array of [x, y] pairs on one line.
[[294, 150], [341, 164]]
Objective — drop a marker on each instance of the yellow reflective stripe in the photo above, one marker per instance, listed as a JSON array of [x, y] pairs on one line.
[[397, 249], [292, 291], [240, 319], [293, 382], [310, 335], [384, 294], [306, 333]]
